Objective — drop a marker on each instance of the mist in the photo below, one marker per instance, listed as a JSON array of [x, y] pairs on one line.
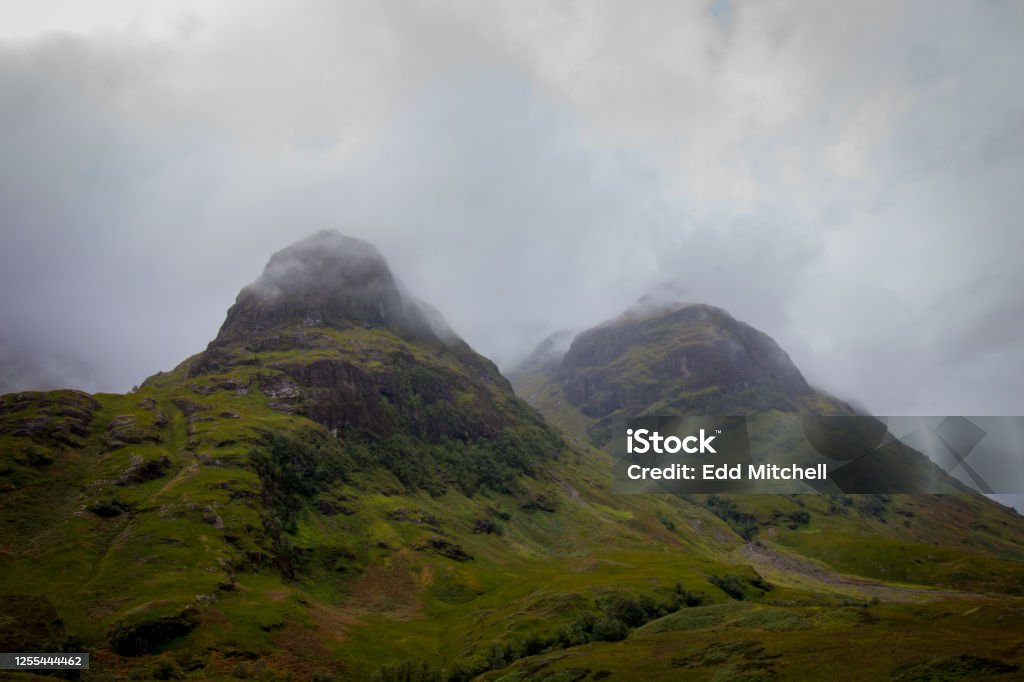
[[844, 177]]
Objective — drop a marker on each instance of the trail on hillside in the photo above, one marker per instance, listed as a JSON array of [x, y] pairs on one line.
[[811, 574]]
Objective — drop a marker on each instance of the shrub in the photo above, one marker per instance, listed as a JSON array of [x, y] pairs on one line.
[[610, 630], [166, 669], [745, 525], [732, 585], [408, 671], [108, 508]]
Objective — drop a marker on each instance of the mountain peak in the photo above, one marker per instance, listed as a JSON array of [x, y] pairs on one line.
[[666, 357], [323, 265], [701, 346], [325, 280]]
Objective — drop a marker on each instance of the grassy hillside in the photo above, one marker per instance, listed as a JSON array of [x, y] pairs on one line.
[[150, 531], [174, 535]]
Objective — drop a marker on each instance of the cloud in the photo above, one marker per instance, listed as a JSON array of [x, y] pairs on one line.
[[42, 368], [844, 176]]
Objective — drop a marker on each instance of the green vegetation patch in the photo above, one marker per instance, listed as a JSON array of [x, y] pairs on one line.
[[964, 666]]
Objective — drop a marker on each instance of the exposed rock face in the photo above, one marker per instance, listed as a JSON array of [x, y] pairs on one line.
[[126, 430], [136, 639], [407, 397], [58, 417]]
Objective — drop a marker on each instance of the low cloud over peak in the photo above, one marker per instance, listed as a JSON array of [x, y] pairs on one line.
[[843, 176]]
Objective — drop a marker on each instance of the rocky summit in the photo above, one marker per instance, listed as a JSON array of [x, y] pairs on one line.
[[338, 341], [665, 359], [338, 487], [324, 281]]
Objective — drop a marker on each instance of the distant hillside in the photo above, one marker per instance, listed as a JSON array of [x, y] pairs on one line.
[[693, 359]]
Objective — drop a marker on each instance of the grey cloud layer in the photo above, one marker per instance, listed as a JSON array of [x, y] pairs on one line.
[[844, 176]]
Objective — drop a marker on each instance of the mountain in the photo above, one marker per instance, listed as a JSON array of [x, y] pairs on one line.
[[327, 333], [664, 359], [673, 359], [338, 487], [688, 359]]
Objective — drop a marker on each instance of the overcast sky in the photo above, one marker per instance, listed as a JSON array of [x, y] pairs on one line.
[[846, 176]]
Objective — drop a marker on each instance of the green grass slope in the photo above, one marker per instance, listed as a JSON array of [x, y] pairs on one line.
[[194, 529], [189, 524]]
